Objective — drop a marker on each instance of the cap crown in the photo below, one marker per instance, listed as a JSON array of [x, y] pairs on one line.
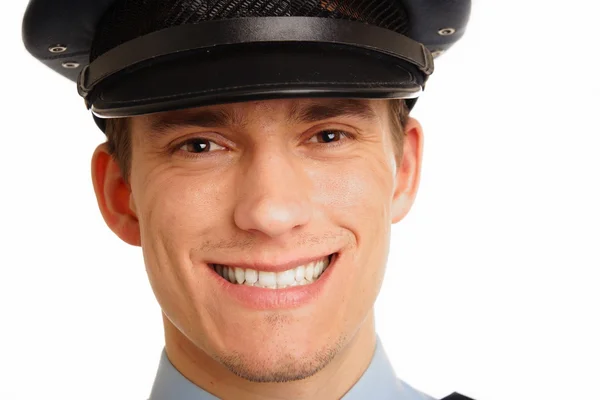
[[129, 19]]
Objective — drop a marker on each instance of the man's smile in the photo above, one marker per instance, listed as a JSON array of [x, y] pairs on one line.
[[269, 290], [304, 274]]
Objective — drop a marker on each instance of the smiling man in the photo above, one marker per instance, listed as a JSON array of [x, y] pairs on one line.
[[258, 152], [265, 228]]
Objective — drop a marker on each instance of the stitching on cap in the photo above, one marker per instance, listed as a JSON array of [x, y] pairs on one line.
[[64, 55]]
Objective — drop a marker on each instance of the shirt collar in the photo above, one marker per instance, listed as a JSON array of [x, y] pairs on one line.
[[378, 382]]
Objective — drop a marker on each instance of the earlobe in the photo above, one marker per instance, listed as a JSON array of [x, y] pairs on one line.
[[114, 197], [408, 172]]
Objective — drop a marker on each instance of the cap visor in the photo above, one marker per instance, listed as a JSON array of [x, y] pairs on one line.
[[249, 72]]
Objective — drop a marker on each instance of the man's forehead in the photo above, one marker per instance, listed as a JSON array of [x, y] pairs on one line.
[[291, 107], [294, 111]]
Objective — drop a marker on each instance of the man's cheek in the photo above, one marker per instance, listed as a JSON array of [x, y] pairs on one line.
[[358, 190], [175, 207]]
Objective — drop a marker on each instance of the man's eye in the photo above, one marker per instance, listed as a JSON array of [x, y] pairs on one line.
[[200, 146], [329, 136]]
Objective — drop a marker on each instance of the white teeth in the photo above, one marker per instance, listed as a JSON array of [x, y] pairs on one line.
[[240, 275], [251, 276], [310, 270], [286, 278], [267, 278], [299, 276], [318, 269]]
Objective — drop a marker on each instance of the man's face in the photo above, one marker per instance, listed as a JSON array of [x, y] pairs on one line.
[[267, 187]]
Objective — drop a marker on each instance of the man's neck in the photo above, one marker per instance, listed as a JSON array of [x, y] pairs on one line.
[[332, 382]]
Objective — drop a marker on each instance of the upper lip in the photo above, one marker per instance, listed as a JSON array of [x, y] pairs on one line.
[[262, 266]]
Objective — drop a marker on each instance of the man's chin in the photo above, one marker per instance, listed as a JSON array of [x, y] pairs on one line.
[[278, 363], [277, 368]]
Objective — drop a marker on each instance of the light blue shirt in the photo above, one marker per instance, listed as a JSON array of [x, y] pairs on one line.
[[378, 382]]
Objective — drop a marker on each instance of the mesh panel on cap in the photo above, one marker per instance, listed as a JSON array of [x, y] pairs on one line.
[[129, 19]]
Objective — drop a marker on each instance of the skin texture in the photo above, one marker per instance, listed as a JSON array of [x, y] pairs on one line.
[[271, 189]]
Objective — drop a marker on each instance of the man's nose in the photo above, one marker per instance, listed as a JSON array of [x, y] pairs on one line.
[[274, 195]]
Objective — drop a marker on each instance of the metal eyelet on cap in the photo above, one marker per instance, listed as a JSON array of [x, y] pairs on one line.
[[447, 31], [70, 64], [59, 48]]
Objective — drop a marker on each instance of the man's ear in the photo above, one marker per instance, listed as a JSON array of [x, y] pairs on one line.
[[114, 197], [408, 171]]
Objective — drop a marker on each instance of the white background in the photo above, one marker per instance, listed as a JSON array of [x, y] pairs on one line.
[[492, 284]]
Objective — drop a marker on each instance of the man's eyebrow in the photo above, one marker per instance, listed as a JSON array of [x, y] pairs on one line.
[[163, 123], [332, 109]]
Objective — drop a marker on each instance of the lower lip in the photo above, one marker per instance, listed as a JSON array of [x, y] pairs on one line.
[[257, 298]]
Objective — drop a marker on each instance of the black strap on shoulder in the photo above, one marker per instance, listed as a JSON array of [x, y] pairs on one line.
[[456, 396]]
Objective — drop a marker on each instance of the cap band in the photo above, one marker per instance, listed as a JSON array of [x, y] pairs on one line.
[[208, 34]]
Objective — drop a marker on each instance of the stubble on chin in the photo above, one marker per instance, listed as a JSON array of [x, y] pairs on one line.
[[281, 366]]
